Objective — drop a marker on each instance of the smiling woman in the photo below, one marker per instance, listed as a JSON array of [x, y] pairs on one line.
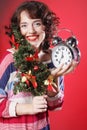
[[32, 24]]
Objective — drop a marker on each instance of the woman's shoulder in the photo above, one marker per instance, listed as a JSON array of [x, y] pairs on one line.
[[6, 59]]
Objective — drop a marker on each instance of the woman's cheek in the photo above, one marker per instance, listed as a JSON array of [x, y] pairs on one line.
[[23, 32]]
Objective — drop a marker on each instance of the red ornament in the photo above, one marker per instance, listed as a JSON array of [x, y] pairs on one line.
[[12, 39], [50, 87], [36, 67]]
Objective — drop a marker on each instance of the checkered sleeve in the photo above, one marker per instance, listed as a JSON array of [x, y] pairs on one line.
[[6, 71], [55, 103]]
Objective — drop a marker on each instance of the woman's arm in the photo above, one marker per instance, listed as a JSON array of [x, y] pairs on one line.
[[7, 71], [56, 102]]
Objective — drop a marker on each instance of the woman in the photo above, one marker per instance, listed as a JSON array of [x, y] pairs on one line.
[[37, 24]]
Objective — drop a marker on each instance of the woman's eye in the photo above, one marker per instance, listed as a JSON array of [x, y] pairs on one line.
[[37, 24], [23, 26]]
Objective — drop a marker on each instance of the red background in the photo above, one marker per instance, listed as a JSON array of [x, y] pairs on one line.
[[73, 15]]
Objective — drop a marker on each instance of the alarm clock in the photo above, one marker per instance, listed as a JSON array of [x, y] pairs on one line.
[[64, 51]]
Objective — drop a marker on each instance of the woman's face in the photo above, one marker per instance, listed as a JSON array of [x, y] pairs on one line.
[[32, 29]]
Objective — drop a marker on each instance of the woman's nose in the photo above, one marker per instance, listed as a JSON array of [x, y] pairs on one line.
[[31, 29]]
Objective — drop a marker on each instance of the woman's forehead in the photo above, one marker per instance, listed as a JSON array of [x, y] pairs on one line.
[[25, 17]]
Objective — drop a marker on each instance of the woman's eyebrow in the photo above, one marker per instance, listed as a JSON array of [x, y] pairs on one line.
[[38, 20], [23, 22]]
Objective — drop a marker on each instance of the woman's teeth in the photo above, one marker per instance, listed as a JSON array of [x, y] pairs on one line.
[[32, 38]]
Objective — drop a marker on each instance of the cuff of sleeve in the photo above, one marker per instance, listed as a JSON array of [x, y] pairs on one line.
[[58, 96], [12, 109]]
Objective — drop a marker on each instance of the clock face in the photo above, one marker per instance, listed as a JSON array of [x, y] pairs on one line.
[[61, 54]]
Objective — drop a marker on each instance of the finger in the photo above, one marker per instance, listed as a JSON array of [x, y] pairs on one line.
[[43, 102], [40, 100], [63, 70], [42, 110], [56, 70], [39, 110], [71, 67], [45, 96], [42, 106], [75, 63], [40, 97]]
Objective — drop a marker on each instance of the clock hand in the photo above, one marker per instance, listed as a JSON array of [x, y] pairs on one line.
[[62, 55]]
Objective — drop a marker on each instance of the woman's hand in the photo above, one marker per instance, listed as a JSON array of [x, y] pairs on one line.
[[56, 72], [39, 104]]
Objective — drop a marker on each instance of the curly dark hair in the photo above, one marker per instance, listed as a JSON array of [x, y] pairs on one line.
[[39, 10]]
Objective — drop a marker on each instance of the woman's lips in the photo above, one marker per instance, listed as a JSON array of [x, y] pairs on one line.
[[32, 37]]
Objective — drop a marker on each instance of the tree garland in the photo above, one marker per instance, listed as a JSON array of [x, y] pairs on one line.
[[33, 76]]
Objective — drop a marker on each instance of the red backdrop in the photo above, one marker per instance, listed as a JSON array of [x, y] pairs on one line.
[[72, 13]]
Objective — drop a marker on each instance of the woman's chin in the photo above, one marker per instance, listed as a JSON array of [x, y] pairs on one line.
[[35, 44]]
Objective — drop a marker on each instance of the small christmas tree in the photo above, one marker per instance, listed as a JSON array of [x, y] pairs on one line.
[[33, 76]]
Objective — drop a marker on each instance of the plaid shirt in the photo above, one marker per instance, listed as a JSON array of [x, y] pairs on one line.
[[8, 118]]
